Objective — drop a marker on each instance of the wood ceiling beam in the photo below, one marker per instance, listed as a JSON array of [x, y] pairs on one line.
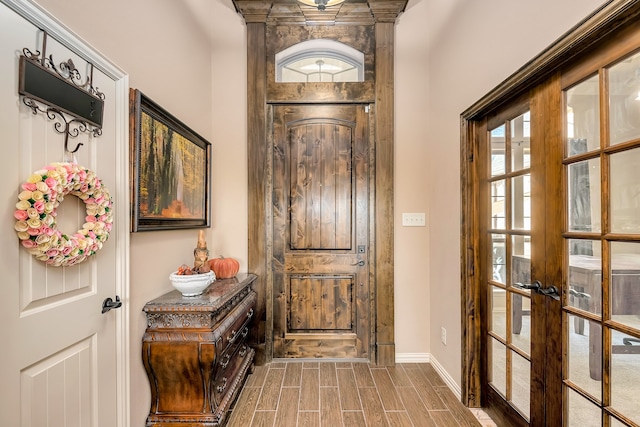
[[291, 12]]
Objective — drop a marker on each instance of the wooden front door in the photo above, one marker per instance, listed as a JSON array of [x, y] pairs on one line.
[[320, 261]]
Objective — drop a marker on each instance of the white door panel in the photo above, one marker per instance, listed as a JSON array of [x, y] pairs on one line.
[[65, 364], [59, 390]]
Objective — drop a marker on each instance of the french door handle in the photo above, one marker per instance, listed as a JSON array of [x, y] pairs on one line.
[[359, 263], [551, 291], [536, 286]]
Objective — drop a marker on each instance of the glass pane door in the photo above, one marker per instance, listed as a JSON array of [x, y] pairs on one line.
[[601, 305], [508, 237]]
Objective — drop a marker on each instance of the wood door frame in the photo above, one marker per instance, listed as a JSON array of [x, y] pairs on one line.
[[580, 40], [382, 15]]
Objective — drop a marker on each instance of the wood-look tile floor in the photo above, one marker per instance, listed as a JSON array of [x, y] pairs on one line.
[[334, 394]]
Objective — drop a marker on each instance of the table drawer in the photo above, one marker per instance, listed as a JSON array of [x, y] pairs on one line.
[[228, 377], [239, 324]]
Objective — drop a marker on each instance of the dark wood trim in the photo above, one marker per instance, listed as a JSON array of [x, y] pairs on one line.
[[549, 332], [546, 372], [292, 13], [609, 51], [260, 16], [497, 407], [371, 256], [257, 176], [578, 41], [471, 386], [384, 268], [321, 93], [582, 37], [538, 214]]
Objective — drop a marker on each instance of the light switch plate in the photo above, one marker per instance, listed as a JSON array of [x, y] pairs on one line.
[[413, 219]]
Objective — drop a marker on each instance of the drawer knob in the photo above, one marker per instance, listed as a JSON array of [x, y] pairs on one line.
[[223, 386], [243, 351], [250, 313], [225, 361], [232, 337]]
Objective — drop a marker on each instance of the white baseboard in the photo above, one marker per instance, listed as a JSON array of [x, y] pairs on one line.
[[413, 357], [428, 358], [449, 381]]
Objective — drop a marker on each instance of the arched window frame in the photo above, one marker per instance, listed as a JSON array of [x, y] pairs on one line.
[[321, 48]]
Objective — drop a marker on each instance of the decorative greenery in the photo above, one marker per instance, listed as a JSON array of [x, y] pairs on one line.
[[36, 212]]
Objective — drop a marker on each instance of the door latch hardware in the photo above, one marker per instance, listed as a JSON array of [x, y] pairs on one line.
[[109, 304], [536, 286]]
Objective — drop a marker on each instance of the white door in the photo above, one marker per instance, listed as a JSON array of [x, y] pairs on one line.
[[63, 361]]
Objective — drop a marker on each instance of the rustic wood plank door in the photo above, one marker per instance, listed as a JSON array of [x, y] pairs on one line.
[[320, 262]]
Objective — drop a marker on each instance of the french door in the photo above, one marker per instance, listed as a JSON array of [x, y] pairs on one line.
[[514, 314], [601, 238], [559, 239]]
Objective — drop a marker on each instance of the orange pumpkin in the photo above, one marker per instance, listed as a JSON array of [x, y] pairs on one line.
[[224, 268]]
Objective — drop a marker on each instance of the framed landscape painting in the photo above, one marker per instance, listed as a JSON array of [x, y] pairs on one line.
[[170, 170]]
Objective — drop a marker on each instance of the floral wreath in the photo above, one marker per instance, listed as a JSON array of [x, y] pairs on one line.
[[36, 212]]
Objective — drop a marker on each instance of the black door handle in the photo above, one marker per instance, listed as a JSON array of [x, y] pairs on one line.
[[535, 285], [551, 291], [109, 304]]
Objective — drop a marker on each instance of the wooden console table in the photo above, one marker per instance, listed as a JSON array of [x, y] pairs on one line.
[[195, 353]]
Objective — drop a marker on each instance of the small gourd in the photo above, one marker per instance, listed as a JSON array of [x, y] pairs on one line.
[[224, 268]]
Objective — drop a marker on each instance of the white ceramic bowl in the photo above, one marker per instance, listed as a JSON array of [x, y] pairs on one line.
[[192, 285]]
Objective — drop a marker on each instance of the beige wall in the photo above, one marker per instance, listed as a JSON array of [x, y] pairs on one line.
[[477, 45], [169, 57], [449, 54], [412, 252]]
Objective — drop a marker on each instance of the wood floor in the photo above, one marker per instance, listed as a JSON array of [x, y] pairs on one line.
[[331, 394]]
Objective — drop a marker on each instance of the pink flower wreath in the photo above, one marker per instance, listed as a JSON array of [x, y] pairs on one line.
[[36, 212]]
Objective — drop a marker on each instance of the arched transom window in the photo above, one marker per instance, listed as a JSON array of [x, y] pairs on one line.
[[319, 60]]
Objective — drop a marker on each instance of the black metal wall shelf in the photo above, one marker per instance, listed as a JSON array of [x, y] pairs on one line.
[[63, 92]]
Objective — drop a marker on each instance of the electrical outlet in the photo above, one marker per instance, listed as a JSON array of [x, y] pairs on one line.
[[443, 335], [413, 219]]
